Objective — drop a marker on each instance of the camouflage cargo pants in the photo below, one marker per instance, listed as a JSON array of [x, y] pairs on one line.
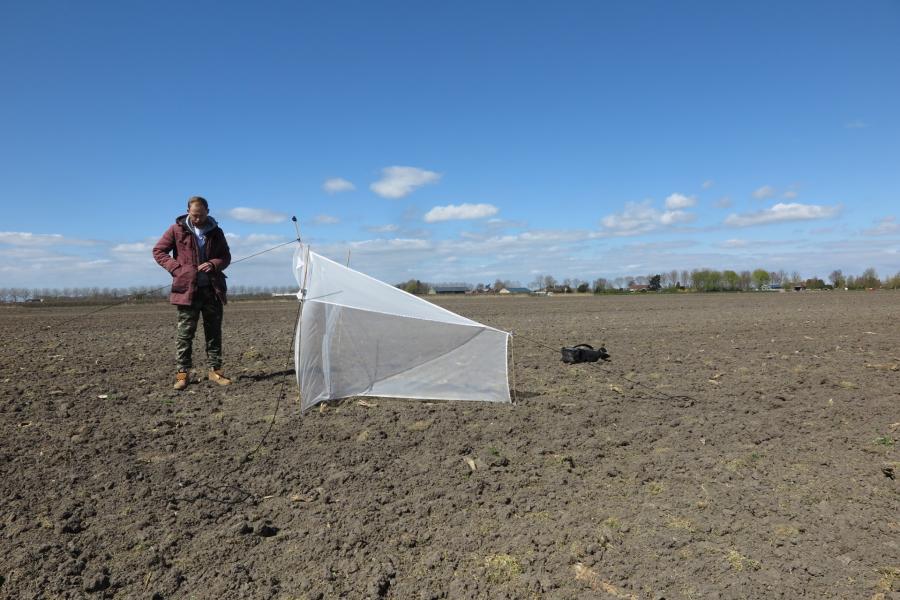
[[205, 303]]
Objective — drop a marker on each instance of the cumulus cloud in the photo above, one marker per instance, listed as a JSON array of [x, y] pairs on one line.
[[766, 191], [884, 226], [325, 220], [781, 212], [460, 212], [336, 185], [259, 216], [679, 201], [708, 184], [671, 217], [397, 182], [790, 194], [641, 217], [638, 217]]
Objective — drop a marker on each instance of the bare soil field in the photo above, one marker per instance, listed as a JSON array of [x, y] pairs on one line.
[[736, 446]]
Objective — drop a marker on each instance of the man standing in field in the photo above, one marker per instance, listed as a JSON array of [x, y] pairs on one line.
[[194, 251]]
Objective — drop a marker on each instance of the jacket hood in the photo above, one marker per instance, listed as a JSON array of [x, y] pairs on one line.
[[211, 223]]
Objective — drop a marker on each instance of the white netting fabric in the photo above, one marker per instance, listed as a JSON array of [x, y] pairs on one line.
[[361, 337]]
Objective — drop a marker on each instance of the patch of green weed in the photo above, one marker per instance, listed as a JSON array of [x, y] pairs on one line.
[[502, 568]]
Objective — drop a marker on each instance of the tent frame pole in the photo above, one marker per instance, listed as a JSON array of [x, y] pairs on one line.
[[300, 322]]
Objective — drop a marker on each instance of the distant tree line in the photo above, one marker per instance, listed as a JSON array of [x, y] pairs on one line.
[[711, 280], [698, 280], [99, 295], [417, 286]]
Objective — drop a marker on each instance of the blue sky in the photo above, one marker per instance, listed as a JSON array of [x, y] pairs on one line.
[[451, 141]]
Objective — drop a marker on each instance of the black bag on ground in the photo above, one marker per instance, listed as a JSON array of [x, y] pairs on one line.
[[583, 353]]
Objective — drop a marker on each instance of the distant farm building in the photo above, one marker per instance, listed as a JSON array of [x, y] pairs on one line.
[[638, 287], [515, 290], [449, 289]]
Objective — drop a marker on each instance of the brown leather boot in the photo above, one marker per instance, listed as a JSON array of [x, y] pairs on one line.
[[181, 380], [219, 377]]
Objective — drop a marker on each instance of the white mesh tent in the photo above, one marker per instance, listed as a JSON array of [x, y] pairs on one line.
[[358, 336]]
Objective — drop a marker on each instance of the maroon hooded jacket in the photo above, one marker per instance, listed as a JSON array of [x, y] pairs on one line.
[[184, 260]]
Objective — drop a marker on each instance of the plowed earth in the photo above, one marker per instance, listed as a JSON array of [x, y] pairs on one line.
[[737, 446]]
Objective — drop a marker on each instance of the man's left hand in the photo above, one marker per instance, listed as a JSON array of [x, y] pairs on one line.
[[206, 267]]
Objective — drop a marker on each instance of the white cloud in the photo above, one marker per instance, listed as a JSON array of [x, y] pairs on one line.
[[671, 217], [885, 226], [389, 228], [856, 124], [708, 184], [325, 220], [766, 191], [581, 253], [638, 217], [133, 248], [401, 258], [336, 185], [678, 201], [24, 238], [782, 212], [735, 243], [791, 192], [254, 238], [641, 217], [458, 212], [660, 246], [256, 215], [392, 245], [551, 235], [87, 264], [397, 182], [53, 266]]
